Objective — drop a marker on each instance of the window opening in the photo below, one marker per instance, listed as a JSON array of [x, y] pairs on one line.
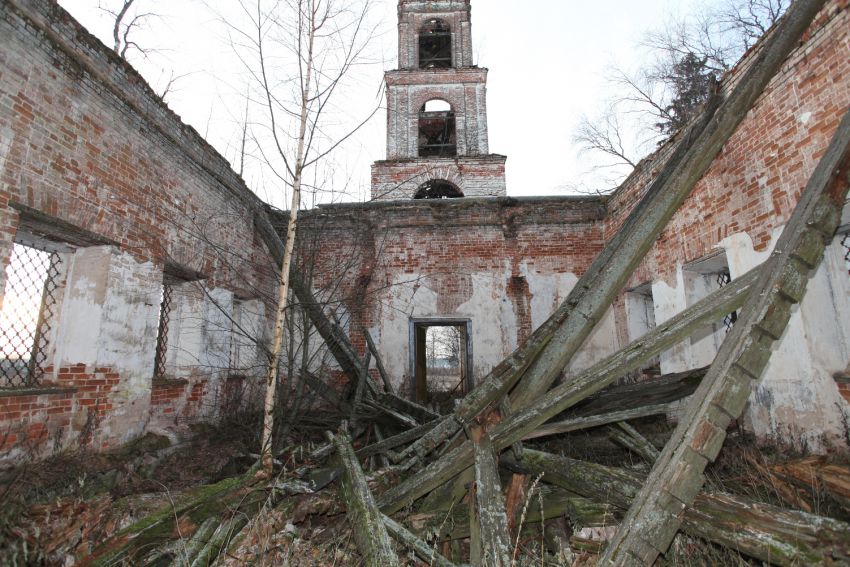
[[442, 363], [29, 308], [640, 313], [437, 189], [435, 45], [437, 136], [845, 242], [724, 278], [165, 309]]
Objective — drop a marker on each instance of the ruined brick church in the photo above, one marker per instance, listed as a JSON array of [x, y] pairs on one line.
[[139, 242]]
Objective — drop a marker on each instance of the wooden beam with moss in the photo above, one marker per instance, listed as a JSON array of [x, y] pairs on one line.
[[782, 537], [367, 523]]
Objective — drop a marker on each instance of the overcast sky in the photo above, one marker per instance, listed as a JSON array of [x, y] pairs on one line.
[[547, 62]]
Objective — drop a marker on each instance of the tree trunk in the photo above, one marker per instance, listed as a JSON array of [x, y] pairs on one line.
[[286, 263]]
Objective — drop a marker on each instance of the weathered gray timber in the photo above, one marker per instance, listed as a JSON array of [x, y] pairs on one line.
[[677, 477], [657, 396], [523, 423], [361, 386], [781, 537], [417, 411], [385, 378], [379, 435], [646, 392], [630, 438], [579, 423], [394, 441], [492, 518], [425, 552], [367, 523], [454, 524], [317, 385]]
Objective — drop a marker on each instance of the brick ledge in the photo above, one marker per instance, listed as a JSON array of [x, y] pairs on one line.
[[168, 382], [11, 392]]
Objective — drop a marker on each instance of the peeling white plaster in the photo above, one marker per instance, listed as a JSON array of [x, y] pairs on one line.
[[797, 401]]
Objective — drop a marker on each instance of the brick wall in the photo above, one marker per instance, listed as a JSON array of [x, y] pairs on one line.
[[412, 16], [87, 146], [482, 176], [735, 214], [502, 263], [754, 183]]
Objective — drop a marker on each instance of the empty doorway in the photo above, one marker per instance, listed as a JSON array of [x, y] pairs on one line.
[[441, 361]]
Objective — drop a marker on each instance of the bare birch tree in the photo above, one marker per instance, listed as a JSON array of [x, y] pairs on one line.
[[298, 54]]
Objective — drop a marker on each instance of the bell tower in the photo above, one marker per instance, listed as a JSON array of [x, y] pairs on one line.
[[436, 110]]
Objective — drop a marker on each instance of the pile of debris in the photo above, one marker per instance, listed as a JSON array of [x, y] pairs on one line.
[[438, 487]]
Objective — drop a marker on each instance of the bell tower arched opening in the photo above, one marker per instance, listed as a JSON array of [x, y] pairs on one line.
[[438, 189], [437, 134], [435, 45]]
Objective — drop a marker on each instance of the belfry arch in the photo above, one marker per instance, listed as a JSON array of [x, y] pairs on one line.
[[438, 189]]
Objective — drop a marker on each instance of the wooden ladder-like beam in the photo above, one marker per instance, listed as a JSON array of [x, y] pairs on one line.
[[677, 477]]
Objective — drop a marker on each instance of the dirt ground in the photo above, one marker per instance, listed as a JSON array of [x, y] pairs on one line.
[[55, 512]]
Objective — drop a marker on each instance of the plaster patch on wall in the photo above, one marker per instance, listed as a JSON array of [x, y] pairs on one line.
[[5, 146], [548, 291]]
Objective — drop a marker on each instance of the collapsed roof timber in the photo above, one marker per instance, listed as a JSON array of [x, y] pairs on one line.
[[721, 263]]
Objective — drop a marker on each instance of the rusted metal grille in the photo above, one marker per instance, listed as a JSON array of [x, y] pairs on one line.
[[845, 242], [724, 279], [29, 307], [162, 333]]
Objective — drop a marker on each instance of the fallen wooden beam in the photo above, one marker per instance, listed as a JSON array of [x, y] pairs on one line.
[[579, 423], [210, 506], [652, 391], [781, 537], [453, 524], [385, 377], [523, 423], [367, 523], [394, 441], [425, 552], [657, 396], [322, 389], [624, 434], [491, 517], [677, 477], [358, 390]]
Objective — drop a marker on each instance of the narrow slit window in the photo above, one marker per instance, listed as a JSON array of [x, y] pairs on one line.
[[165, 311], [29, 309]]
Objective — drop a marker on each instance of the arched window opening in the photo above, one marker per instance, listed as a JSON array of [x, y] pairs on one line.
[[435, 45], [437, 137], [437, 189], [437, 105]]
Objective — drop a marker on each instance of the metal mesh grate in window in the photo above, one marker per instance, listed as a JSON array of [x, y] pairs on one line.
[[162, 334], [724, 279], [29, 307], [845, 242]]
